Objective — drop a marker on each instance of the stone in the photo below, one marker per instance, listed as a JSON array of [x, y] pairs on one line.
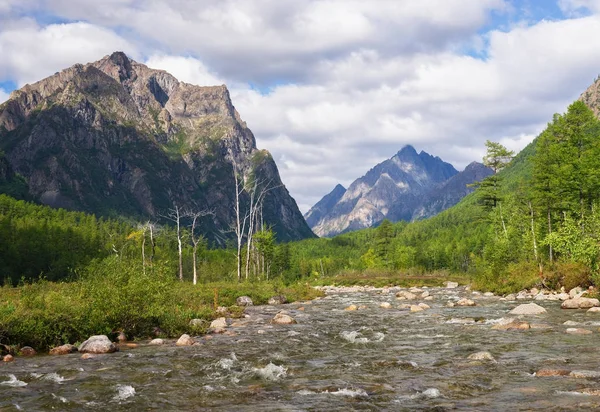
[[222, 309], [571, 323], [404, 306], [416, 308], [277, 300], [8, 358], [534, 291], [27, 351], [121, 337], [511, 324], [451, 285], [88, 356], [283, 319], [595, 309], [219, 323], [425, 294], [578, 331], [197, 323], [428, 298], [563, 296], [185, 340], [465, 302], [63, 349], [385, 305], [488, 294], [528, 309], [97, 344], [424, 305], [552, 372], [415, 290], [406, 295], [362, 307], [244, 301], [579, 303], [450, 304], [575, 292], [351, 308], [585, 374], [482, 356], [156, 342], [510, 296]]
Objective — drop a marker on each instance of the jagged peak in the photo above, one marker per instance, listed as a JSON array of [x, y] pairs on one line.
[[407, 149], [339, 187]]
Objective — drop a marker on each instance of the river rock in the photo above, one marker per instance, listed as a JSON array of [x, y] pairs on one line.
[[351, 308], [415, 290], [425, 294], [88, 356], [593, 310], [219, 323], [585, 374], [156, 342], [575, 292], [511, 324], [424, 305], [416, 308], [385, 305], [571, 323], [450, 304], [451, 285], [563, 296], [244, 301], [63, 349], [579, 303], [488, 294], [404, 306], [552, 372], [197, 323], [403, 294], [27, 351], [185, 340], [534, 291], [528, 309], [8, 358], [510, 296], [465, 302], [97, 344], [428, 298], [277, 300], [283, 319], [482, 356], [578, 331], [121, 337]]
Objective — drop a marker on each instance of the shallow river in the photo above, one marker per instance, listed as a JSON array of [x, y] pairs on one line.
[[332, 359]]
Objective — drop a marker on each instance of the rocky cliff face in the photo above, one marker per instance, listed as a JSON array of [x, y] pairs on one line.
[[115, 137], [591, 97], [408, 186]]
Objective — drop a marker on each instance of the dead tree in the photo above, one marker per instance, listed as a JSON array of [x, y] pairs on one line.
[[196, 238]]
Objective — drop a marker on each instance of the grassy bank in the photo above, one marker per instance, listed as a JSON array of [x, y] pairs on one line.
[[113, 296]]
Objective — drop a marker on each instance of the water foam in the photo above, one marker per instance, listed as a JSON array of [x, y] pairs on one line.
[[357, 337], [124, 392], [13, 382], [271, 372], [54, 377], [353, 393]]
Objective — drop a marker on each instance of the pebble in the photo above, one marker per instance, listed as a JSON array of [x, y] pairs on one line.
[[385, 305], [465, 302], [482, 356]]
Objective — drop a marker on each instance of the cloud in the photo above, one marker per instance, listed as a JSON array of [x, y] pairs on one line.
[[333, 87], [30, 52]]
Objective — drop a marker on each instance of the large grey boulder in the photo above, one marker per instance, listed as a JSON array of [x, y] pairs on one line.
[[528, 309], [97, 344], [277, 300], [580, 303], [244, 301]]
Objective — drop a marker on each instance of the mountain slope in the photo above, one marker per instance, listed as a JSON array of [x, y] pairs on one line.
[[115, 137], [393, 189]]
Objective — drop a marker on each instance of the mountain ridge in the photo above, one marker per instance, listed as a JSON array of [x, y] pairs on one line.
[[115, 137]]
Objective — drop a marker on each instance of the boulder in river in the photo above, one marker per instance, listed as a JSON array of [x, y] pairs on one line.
[[416, 308], [385, 305], [580, 303], [511, 324], [465, 302], [156, 342], [575, 292], [552, 372], [27, 351], [244, 301], [283, 319], [97, 344], [403, 294], [482, 356], [185, 340], [277, 300], [528, 309], [8, 358], [218, 325], [351, 308], [63, 349], [585, 374], [594, 309], [578, 331], [451, 285], [424, 305]]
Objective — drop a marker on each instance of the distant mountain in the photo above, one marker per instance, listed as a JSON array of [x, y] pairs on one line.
[[117, 138], [408, 186]]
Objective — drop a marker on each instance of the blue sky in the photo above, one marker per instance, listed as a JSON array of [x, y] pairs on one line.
[[332, 87]]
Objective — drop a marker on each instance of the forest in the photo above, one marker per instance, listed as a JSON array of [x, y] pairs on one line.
[[534, 222]]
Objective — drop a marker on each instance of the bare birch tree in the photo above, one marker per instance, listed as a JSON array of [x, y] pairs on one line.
[[196, 239], [175, 215]]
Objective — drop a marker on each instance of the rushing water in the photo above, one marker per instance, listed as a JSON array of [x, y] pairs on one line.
[[332, 359]]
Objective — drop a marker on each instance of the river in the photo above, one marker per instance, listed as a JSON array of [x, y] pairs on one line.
[[334, 360]]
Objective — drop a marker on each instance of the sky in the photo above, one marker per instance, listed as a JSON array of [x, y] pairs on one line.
[[333, 87]]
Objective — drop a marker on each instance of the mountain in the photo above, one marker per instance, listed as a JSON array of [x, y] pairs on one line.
[[408, 186], [117, 138]]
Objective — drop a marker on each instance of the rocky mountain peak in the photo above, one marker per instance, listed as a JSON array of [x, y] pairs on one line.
[[591, 97]]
